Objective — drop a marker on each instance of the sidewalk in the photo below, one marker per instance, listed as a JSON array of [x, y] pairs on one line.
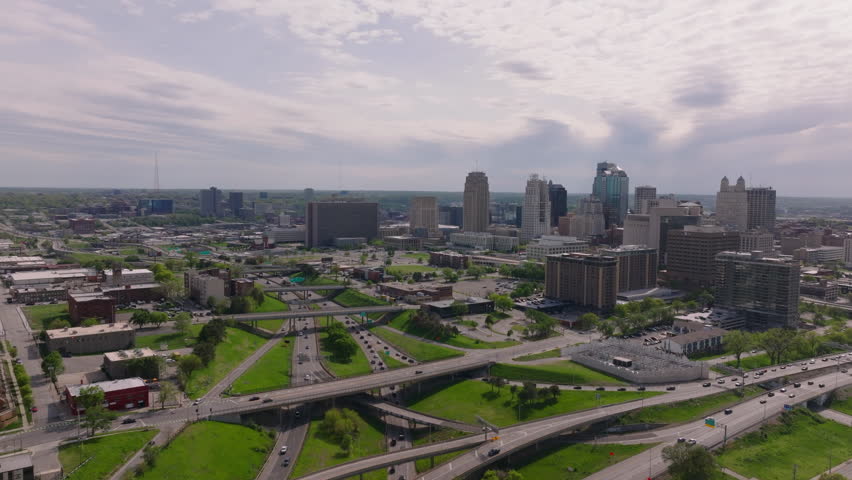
[[838, 417], [161, 438], [21, 412], [844, 469]]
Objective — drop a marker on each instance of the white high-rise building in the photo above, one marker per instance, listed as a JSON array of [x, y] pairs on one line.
[[423, 215], [732, 205], [476, 202], [847, 252], [642, 194], [589, 220], [535, 221]]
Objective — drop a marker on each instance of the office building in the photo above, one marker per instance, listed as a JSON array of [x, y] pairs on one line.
[[38, 293], [536, 219], [423, 215], [761, 208], [847, 251], [124, 394], [417, 292], [612, 188], [558, 202], [210, 202], [484, 241], [822, 289], [450, 259], [127, 276], [159, 206], [759, 240], [404, 242], [637, 228], [286, 234], [764, 290], [819, 255], [263, 195], [91, 305], [474, 305], [202, 286], [732, 205], [476, 202], [82, 226], [642, 195], [70, 276], [588, 221], [94, 339], [691, 254], [564, 225], [555, 245], [636, 267], [118, 364], [235, 203], [582, 279], [652, 229], [327, 221], [308, 194], [451, 215], [705, 340]]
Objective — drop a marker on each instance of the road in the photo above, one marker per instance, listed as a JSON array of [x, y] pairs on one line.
[[245, 317]]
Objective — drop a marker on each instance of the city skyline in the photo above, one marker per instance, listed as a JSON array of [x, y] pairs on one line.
[[362, 95]]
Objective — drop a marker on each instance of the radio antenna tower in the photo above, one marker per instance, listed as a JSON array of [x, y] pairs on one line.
[[156, 172]]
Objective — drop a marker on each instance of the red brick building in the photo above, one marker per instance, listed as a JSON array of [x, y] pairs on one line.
[[124, 394], [87, 305], [82, 226]]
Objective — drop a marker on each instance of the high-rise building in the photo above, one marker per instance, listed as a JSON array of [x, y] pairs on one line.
[[451, 215], [764, 290], [847, 252], [155, 206], [636, 267], [759, 240], [308, 194], [555, 245], [652, 229], [612, 187], [642, 194], [210, 202], [423, 215], [476, 202], [235, 203], [589, 219], [691, 253], [732, 205], [637, 229], [558, 202], [536, 219], [761, 208], [327, 221], [582, 279]]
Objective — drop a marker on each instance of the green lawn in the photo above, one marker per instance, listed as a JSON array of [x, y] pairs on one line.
[[212, 451], [107, 454], [708, 356], [271, 325], [40, 316], [422, 256], [270, 372], [171, 340], [320, 452], [357, 364], [842, 401], [563, 372], [400, 270], [84, 258], [238, 345], [688, 410], [271, 304], [353, 298], [392, 362], [402, 321], [464, 400], [762, 360], [422, 437], [420, 351], [802, 437], [555, 353], [584, 460]]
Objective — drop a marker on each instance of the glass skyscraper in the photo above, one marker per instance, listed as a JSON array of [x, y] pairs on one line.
[[612, 187]]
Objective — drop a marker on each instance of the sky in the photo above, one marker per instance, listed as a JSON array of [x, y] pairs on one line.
[[413, 94]]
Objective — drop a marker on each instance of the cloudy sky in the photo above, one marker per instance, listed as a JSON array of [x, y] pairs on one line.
[[412, 94]]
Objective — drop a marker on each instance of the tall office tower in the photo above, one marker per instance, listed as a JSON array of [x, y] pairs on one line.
[[558, 202], [732, 205], [691, 253], [761, 208], [235, 202], [612, 187], [451, 215], [308, 194], [536, 219], [764, 290], [476, 202], [589, 220], [328, 221], [210, 202], [636, 267], [423, 215], [847, 252], [582, 279], [641, 196], [757, 240]]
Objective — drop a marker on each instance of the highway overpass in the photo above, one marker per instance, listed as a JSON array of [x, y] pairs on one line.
[[305, 288], [250, 317], [417, 417]]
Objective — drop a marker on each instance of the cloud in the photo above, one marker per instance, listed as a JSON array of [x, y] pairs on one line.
[[705, 88], [524, 70]]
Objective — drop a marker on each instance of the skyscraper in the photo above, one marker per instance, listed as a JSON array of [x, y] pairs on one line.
[[558, 202], [536, 212], [210, 202], [327, 221], [476, 202], [612, 187], [732, 205], [589, 220], [423, 215], [761, 208], [642, 195], [235, 202], [582, 279], [764, 290], [691, 253], [308, 194]]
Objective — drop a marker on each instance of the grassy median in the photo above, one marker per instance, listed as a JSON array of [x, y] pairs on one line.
[[105, 454], [236, 347], [688, 410], [319, 451], [270, 372], [583, 460], [420, 351], [562, 372]]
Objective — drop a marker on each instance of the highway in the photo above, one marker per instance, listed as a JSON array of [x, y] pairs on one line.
[[244, 317]]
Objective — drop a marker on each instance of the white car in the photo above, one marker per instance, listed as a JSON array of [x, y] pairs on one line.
[[283, 450], [307, 376]]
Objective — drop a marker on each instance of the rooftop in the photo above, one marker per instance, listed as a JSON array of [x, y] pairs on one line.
[[128, 354], [16, 259], [109, 386], [703, 334], [69, 273], [93, 330], [466, 301]]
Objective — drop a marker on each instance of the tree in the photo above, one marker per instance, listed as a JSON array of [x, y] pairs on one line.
[[514, 475], [204, 351], [529, 391], [158, 318], [52, 365], [89, 397], [587, 321], [677, 306], [555, 391], [606, 327], [90, 322], [513, 389], [776, 342], [140, 318], [737, 342], [187, 364], [475, 271], [97, 418], [347, 441], [168, 393], [503, 303], [183, 322], [450, 275], [173, 288], [491, 475], [690, 462], [459, 309], [213, 331], [257, 295]]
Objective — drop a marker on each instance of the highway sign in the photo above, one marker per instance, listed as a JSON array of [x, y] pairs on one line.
[[788, 407], [710, 422]]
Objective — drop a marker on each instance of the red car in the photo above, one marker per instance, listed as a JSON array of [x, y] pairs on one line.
[[34, 409]]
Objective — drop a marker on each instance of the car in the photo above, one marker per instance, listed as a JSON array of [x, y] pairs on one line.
[[267, 400], [745, 375], [720, 381], [197, 401], [738, 384], [392, 469], [577, 387], [770, 394], [804, 368], [128, 421], [671, 388], [728, 411], [641, 389], [600, 389], [401, 436], [622, 389], [821, 385], [252, 399], [783, 390], [307, 347], [783, 367], [286, 462], [681, 440], [493, 451], [691, 441], [372, 362], [844, 371], [792, 395], [298, 413], [307, 376], [706, 384], [418, 372], [810, 382], [393, 442], [283, 450], [762, 401]]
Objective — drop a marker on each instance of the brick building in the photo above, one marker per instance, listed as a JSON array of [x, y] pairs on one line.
[[425, 292], [582, 279], [91, 305], [94, 339], [124, 394], [449, 259]]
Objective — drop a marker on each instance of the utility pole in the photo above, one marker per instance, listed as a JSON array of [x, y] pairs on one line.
[[795, 467], [725, 439]]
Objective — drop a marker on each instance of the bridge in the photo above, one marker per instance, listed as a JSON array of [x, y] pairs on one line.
[[250, 317], [416, 417]]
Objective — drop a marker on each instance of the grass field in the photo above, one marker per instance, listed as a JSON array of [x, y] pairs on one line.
[[422, 437], [761, 360], [238, 345], [563, 372], [271, 325], [354, 298], [212, 451], [422, 256], [555, 353], [107, 454], [40, 316], [420, 351], [400, 270], [584, 460], [392, 362], [171, 340], [357, 365], [271, 304], [709, 356], [270, 372], [319, 452], [802, 437], [464, 400], [694, 409], [83, 258], [843, 401], [402, 321]]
